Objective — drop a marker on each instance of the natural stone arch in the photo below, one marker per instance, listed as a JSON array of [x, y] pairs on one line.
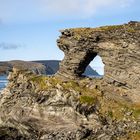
[[95, 69], [118, 47], [89, 56], [75, 67]]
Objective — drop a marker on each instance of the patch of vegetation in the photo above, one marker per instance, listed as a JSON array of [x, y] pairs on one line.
[[116, 109], [87, 100], [136, 113], [84, 33], [40, 82]]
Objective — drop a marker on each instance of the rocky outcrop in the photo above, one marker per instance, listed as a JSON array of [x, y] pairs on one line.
[[47, 108], [69, 107], [118, 47], [37, 107]]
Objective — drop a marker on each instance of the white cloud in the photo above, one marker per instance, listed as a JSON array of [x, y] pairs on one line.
[[80, 8], [9, 46], [35, 10]]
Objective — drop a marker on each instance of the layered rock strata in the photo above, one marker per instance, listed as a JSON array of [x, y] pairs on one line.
[[35, 107], [69, 107], [118, 46]]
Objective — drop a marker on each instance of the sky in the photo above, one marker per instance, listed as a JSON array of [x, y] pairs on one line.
[[29, 28]]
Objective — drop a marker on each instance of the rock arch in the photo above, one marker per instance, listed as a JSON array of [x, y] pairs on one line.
[[95, 68], [117, 45]]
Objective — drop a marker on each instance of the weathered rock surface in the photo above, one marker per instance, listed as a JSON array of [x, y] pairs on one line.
[[35, 113], [118, 47], [37, 107]]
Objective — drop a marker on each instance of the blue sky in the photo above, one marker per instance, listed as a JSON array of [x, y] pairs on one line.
[[29, 28]]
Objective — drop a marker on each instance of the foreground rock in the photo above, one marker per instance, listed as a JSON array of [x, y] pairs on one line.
[[47, 108]]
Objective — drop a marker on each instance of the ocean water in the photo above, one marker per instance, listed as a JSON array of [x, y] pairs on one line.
[[3, 81]]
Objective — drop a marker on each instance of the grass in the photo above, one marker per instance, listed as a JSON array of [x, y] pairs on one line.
[[136, 113], [83, 33], [87, 100]]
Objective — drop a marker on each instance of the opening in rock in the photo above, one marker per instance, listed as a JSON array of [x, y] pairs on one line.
[[95, 69]]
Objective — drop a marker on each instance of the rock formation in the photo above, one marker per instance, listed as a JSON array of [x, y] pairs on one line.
[[118, 47], [69, 107], [35, 107]]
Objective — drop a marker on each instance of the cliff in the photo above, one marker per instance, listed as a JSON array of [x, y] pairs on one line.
[[6, 67], [68, 106]]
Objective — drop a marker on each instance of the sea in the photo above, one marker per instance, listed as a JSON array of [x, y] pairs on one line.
[[3, 81]]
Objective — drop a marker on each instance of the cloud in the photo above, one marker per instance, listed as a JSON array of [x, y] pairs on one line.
[[9, 46], [75, 7], [35, 10], [80, 8]]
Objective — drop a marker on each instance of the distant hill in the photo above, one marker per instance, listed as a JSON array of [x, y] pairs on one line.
[[7, 66], [52, 66], [48, 67]]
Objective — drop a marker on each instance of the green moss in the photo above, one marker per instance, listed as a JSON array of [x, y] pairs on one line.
[[131, 30], [83, 33], [136, 113], [71, 85], [87, 32], [45, 82], [88, 100], [116, 109], [40, 82], [113, 27], [110, 114]]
